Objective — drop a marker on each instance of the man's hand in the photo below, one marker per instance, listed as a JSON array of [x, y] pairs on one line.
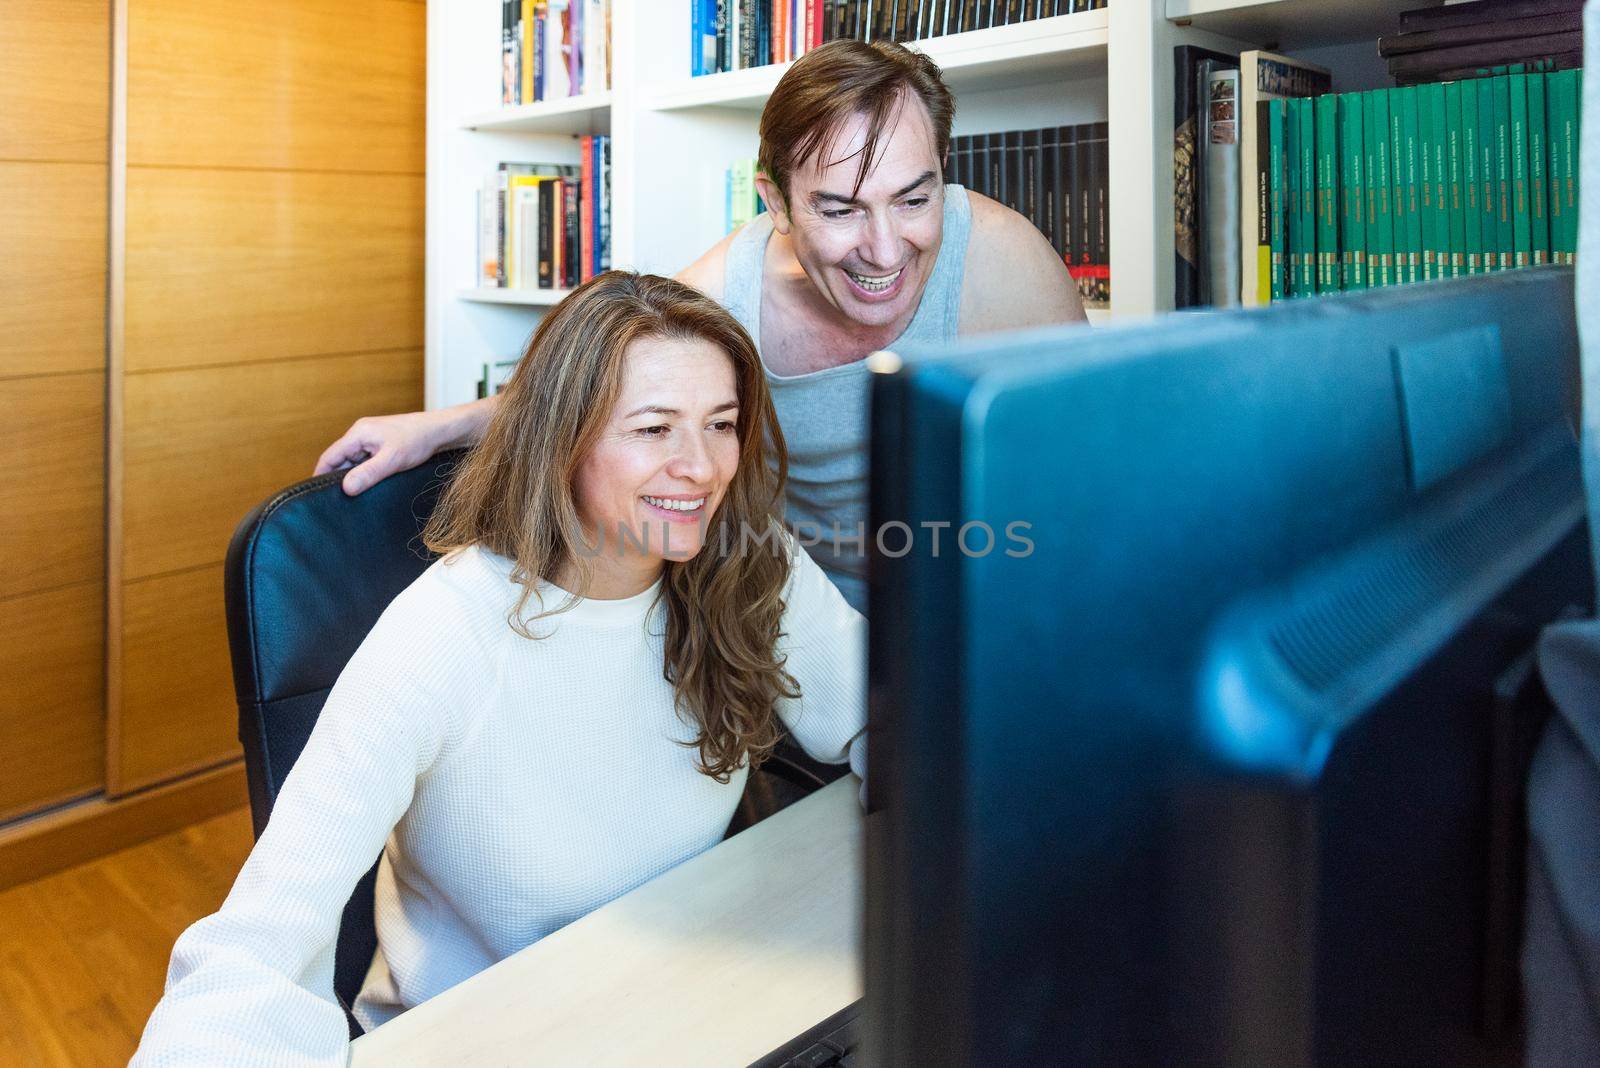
[[383, 445]]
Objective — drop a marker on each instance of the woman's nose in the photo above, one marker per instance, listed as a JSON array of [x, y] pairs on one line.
[[693, 460]]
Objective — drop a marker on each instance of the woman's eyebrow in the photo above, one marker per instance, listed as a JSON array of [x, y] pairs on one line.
[[656, 409]]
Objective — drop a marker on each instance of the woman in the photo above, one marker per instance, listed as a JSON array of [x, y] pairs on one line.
[[563, 706]]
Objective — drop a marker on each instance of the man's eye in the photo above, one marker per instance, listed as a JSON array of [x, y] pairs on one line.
[[836, 213], [916, 202]]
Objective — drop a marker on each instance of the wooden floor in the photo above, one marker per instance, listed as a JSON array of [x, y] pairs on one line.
[[83, 954]]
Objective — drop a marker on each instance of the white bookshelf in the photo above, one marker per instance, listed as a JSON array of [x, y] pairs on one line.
[[674, 136], [590, 113], [1294, 24], [533, 298]]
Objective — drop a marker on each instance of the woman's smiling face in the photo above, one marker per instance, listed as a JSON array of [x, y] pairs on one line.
[[662, 463]]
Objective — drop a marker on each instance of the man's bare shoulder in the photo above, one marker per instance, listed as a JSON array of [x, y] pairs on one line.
[[706, 273], [1013, 278]]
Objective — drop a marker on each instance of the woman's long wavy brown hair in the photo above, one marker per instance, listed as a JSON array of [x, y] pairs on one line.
[[513, 496]]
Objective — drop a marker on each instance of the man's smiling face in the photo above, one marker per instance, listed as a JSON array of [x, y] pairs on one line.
[[869, 251]]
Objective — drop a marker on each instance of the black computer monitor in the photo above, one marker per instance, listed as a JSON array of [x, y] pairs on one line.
[[1223, 765]]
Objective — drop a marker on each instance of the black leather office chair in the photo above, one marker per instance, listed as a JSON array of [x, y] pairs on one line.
[[308, 574]]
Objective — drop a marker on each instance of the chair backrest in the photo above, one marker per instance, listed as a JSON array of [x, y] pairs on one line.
[[308, 573]]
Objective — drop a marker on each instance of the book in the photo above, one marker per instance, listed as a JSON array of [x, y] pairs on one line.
[[1457, 221], [1260, 259], [1486, 53], [1425, 182], [1487, 214], [1293, 235], [1412, 193], [1439, 146], [1471, 209], [1521, 222], [1505, 227], [525, 53], [510, 84], [1067, 170], [1219, 192], [1191, 68], [1031, 168], [1049, 186], [605, 204], [1306, 221], [1352, 192], [1011, 148], [1277, 284], [1482, 11], [1099, 179], [1541, 64], [1564, 167], [1385, 227], [1538, 186], [1501, 29], [1325, 121], [1265, 76]]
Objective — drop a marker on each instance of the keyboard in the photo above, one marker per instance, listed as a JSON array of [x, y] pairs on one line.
[[833, 1043]]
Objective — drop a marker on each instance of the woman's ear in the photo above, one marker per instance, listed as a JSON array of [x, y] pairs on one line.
[[773, 199]]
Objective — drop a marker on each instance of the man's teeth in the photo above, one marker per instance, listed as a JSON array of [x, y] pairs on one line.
[[675, 505], [875, 284]]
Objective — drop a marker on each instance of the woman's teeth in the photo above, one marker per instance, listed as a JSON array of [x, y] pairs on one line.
[[874, 284], [674, 505]]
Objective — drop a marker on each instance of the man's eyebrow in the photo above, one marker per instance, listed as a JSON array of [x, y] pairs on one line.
[[840, 198], [656, 409]]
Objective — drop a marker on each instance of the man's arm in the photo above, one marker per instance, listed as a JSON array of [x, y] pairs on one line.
[[1013, 278], [384, 445]]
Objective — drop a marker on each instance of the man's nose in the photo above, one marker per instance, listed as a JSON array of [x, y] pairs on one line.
[[881, 242]]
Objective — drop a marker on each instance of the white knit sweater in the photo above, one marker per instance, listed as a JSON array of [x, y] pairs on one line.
[[512, 786]]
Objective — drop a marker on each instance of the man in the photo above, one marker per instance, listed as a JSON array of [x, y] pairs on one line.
[[862, 247]]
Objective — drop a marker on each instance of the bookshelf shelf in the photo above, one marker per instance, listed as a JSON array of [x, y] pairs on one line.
[[590, 113], [537, 298], [1003, 57], [1300, 23]]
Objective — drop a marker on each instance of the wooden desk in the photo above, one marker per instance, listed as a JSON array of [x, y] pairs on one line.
[[715, 962]]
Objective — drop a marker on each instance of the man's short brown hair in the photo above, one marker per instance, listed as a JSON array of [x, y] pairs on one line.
[[837, 80]]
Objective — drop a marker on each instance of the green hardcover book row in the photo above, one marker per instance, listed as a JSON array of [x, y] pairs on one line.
[[1431, 181]]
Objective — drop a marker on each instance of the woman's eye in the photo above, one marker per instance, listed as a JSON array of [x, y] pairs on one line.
[[724, 426], [653, 431]]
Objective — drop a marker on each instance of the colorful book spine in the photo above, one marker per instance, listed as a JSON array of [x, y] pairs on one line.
[[1414, 186], [1264, 218], [1521, 220], [1505, 233], [1394, 101], [586, 229], [1487, 213], [525, 51], [1352, 193], [1429, 181], [1557, 123], [1381, 244], [1279, 207], [1308, 196], [1471, 209], [1538, 187], [1293, 231], [1453, 201], [1326, 120], [1439, 145]]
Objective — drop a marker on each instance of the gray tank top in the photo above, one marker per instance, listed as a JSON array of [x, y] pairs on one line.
[[824, 413]]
